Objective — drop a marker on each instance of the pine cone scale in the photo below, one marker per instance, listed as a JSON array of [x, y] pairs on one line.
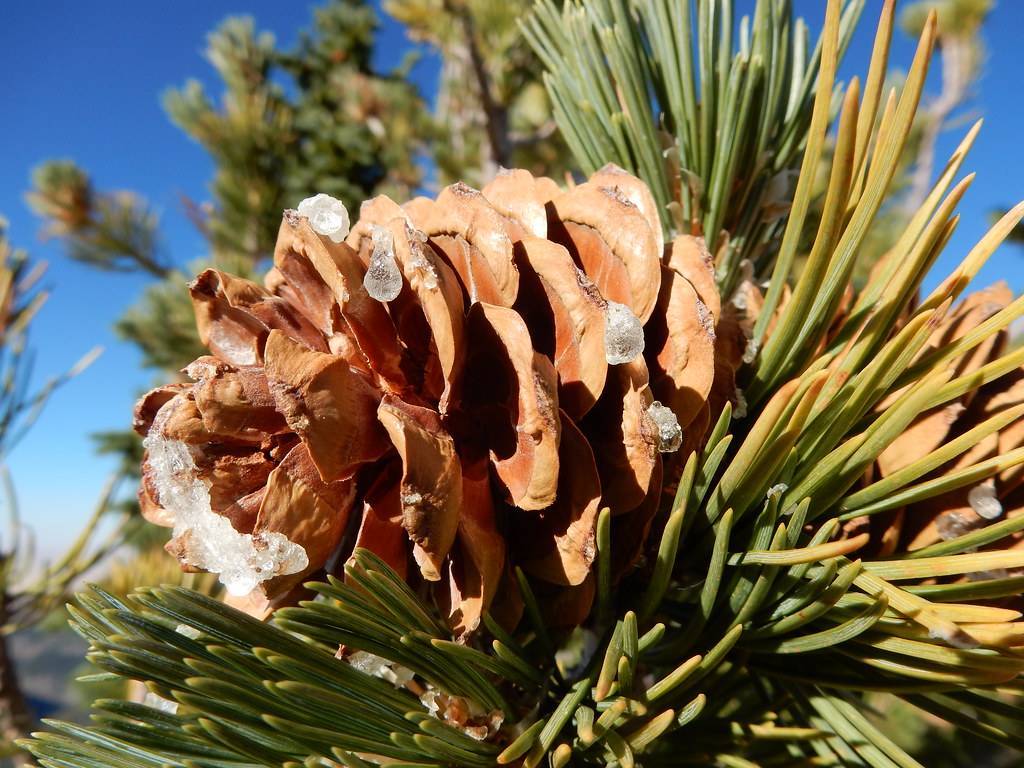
[[332, 408], [627, 236], [558, 545], [566, 317], [528, 467], [308, 511], [431, 484]]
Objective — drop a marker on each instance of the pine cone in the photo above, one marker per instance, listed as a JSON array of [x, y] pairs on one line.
[[464, 380], [998, 495], [992, 499]]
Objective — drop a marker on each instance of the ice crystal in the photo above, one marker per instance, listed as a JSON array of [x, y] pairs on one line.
[[623, 334], [241, 560], [777, 490], [327, 216], [670, 434], [383, 280], [984, 501]]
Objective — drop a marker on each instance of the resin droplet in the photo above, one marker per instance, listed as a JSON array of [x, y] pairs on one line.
[[327, 216], [618, 196], [160, 703], [383, 280], [751, 350], [417, 247], [953, 636], [189, 632], [670, 434], [707, 321], [429, 700], [577, 653], [623, 334], [984, 501], [953, 524], [739, 299], [998, 573], [412, 499], [373, 665]]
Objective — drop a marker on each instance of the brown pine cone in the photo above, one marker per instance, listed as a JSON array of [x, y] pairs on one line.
[[458, 385], [989, 499]]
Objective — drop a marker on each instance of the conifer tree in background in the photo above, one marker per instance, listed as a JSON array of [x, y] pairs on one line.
[[519, 556], [962, 56], [492, 110], [338, 126], [29, 590], [345, 130], [959, 62]]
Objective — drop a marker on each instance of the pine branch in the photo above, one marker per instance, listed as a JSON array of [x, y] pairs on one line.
[[714, 127], [288, 697], [842, 528]]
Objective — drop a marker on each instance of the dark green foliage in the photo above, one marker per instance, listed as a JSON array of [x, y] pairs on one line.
[[357, 133], [288, 124], [293, 123], [250, 693]]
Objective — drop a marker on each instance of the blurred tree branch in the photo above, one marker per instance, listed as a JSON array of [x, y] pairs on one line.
[[491, 108], [30, 591], [114, 231], [962, 54], [495, 114]]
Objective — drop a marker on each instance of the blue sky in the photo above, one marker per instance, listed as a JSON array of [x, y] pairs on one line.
[[83, 80]]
